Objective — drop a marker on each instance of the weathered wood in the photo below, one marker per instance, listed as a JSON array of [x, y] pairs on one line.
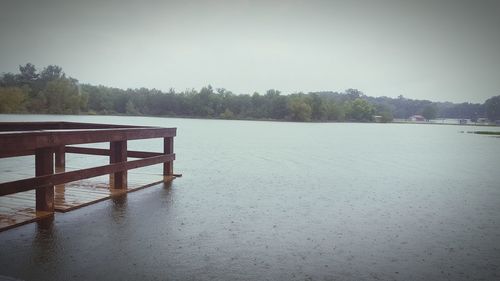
[[17, 209], [56, 179], [168, 167], [60, 161], [118, 154], [30, 126], [106, 152], [6, 154], [49, 140], [13, 141], [44, 166]]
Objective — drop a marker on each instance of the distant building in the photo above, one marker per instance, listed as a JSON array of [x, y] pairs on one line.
[[463, 121], [377, 118], [417, 118]]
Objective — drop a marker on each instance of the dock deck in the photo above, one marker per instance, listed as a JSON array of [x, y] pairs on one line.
[[34, 198]]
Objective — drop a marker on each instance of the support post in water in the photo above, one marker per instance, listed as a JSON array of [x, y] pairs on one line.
[[60, 161], [168, 167], [44, 165], [118, 153]]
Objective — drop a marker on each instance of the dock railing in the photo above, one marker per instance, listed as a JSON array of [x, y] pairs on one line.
[[48, 139]]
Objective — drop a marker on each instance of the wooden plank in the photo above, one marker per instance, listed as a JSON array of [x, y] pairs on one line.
[[30, 126], [106, 152], [118, 154], [44, 166], [15, 211], [15, 141], [60, 158], [168, 167], [80, 125], [6, 154], [84, 187], [56, 179], [21, 217]]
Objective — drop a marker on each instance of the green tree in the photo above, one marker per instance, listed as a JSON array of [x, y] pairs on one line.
[[51, 72], [62, 96], [386, 116], [8, 80], [130, 108], [359, 110], [11, 99], [429, 112], [227, 114], [384, 112], [299, 109], [317, 107], [493, 108], [27, 73], [334, 112]]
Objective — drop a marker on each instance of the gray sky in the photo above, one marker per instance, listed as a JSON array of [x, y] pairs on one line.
[[437, 50]]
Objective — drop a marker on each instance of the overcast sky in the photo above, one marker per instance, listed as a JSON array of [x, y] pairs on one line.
[[437, 50]]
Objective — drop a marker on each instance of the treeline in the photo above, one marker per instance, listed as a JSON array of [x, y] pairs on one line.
[[51, 91]]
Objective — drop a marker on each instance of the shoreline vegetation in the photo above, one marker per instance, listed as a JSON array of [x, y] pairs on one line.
[[50, 91], [490, 133], [269, 120]]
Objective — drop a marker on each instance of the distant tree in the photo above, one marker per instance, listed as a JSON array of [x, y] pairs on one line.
[[354, 93], [27, 73], [274, 105], [333, 111], [11, 99], [227, 114], [8, 80], [50, 91], [62, 96], [299, 109], [359, 110], [317, 107], [429, 112], [51, 72], [130, 108], [386, 116], [384, 112], [493, 108]]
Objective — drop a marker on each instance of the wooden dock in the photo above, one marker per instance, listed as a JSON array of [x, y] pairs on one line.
[[31, 199]]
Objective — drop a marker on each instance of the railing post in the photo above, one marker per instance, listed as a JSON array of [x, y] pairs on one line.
[[118, 153], [44, 165], [168, 167], [60, 161]]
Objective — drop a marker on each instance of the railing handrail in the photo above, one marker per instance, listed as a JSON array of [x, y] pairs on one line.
[[46, 139], [12, 141], [66, 177]]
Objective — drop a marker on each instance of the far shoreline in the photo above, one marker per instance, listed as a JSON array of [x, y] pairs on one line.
[[260, 120]]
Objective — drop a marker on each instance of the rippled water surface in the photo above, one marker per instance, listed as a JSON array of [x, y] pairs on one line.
[[283, 201]]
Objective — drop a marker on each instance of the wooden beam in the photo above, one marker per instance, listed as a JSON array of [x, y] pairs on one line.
[[44, 166], [61, 178], [15, 141], [168, 167], [60, 161], [6, 154], [118, 154], [80, 125], [31, 126], [106, 152]]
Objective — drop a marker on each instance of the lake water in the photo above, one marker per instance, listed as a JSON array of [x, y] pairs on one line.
[[284, 201]]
